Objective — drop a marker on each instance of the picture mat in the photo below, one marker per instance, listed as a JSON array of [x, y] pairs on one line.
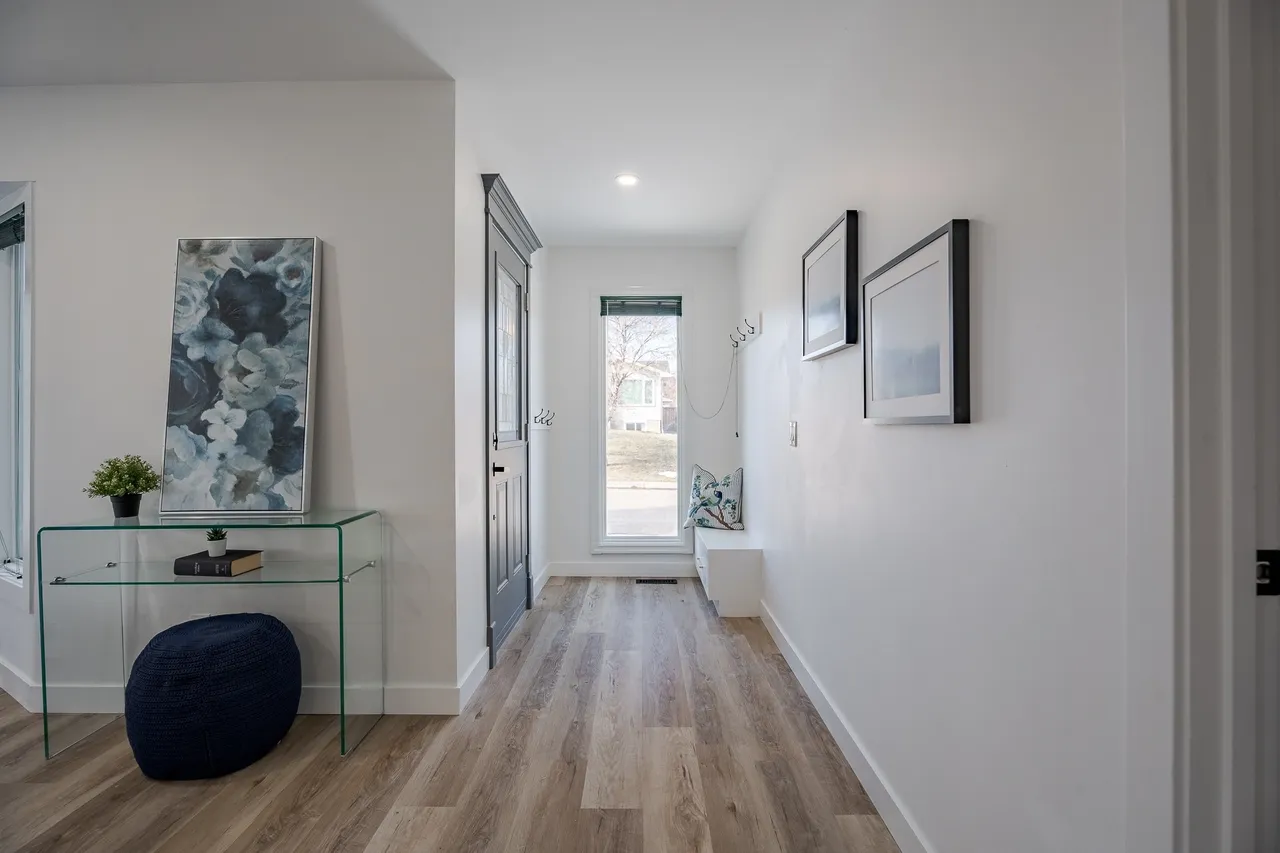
[[825, 293], [908, 322], [926, 301], [824, 296]]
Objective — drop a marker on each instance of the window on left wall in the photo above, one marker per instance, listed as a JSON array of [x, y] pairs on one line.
[[13, 384]]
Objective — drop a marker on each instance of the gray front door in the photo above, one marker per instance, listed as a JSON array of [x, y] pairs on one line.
[[509, 583]]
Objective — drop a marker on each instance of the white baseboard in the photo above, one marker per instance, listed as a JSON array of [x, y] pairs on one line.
[[471, 680], [14, 682], [323, 699], [109, 699], [86, 698], [613, 569], [540, 580], [431, 700], [896, 818], [428, 699]]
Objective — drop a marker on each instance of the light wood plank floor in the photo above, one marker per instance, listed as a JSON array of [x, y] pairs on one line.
[[622, 718]]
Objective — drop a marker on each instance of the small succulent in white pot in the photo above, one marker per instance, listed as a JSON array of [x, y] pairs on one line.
[[217, 538]]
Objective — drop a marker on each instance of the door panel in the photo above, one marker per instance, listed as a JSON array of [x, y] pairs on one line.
[[509, 582]]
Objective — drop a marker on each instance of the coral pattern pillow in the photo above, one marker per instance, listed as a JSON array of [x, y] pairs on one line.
[[715, 502]]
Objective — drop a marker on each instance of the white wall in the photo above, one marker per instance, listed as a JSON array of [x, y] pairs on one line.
[[540, 473], [572, 281], [121, 172], [1266, 118], [1154, 745], [958, 593], [471, 477]]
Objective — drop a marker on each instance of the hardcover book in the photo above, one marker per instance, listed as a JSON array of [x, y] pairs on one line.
[[235, 562]]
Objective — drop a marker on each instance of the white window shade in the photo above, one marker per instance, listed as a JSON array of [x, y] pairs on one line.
[[13, 227], [641, 306]]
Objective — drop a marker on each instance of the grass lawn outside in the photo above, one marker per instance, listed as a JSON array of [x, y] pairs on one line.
[[640, 457]]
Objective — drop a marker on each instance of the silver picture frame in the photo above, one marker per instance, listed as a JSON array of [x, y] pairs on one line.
[[169, 504]]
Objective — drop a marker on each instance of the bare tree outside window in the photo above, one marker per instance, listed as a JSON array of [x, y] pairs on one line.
[[632, 344]]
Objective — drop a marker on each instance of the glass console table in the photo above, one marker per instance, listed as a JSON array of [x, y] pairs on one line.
[[107, 587]]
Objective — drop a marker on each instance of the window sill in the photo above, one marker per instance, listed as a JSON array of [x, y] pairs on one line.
[[680, 547]]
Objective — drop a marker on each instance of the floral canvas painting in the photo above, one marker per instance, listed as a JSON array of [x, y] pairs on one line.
[[237, 435]]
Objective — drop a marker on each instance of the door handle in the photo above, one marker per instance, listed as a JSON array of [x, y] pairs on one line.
[[498, 469]]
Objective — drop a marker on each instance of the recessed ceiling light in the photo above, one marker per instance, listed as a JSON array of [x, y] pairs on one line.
[[626, 179]]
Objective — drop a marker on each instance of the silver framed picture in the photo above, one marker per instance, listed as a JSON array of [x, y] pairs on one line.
[[829, 296], [915, 348], [238, 428]]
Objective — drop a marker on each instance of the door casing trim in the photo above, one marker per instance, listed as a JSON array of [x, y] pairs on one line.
[[506, 217]]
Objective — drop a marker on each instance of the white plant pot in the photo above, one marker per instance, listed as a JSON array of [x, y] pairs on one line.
[[218, 549]]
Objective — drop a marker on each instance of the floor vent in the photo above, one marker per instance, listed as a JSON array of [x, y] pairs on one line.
[[655, 580]]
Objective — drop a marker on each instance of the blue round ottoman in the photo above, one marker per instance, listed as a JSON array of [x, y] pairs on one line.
[[212, 696]]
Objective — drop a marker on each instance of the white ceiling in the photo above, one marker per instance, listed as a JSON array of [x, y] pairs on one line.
[[53, 42], [697, 97]]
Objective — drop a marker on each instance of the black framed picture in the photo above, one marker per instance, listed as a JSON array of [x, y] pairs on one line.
[[829, 297], [915, 350]]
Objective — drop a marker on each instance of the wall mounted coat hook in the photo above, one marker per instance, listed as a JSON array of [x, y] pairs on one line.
[[750, 328], [550, 417]]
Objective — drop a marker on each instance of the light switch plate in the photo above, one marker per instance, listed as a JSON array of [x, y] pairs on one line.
[[793, 433]]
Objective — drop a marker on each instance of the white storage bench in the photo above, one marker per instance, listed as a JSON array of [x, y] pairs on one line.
[[729, 565]]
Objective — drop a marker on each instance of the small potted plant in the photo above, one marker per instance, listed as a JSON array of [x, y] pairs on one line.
[[217, 538], [124, 479]]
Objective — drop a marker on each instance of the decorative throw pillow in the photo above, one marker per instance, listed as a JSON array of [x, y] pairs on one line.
[[715, 502]]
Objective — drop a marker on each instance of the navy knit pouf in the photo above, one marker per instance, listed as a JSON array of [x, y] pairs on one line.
[[212, 696]]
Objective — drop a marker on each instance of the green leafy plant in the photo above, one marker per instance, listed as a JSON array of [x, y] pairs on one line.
[[123, 475], [216, 534]]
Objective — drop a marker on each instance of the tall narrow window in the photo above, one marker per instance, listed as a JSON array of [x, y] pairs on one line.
[[13, 467], [640, 418]]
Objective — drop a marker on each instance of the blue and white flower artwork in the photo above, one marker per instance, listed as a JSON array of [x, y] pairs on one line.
[[239, 372]]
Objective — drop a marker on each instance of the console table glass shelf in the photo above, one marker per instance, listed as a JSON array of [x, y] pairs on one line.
[[106, 587]]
